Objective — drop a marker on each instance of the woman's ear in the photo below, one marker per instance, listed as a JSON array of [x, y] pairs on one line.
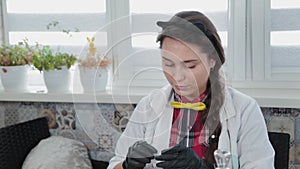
[[212, 63]]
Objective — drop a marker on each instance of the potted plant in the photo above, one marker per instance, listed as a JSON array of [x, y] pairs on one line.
[[93, 69], [55, 67], [14, 63]]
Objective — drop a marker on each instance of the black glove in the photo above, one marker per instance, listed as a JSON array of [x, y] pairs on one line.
[[181, 157], [139, 154]]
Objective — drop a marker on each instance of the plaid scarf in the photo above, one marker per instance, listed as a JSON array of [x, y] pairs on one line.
[[187, 126]]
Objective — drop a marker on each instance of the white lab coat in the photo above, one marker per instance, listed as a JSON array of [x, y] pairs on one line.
[[244, 132]]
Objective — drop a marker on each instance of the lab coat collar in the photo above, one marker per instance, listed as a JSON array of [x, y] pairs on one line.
[[228, 109], [160, 99]]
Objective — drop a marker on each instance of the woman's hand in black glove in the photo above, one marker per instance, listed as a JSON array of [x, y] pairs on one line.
[[139, 154], [181, 157]]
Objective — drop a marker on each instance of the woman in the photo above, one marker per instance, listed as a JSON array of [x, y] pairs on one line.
[[186, 135]]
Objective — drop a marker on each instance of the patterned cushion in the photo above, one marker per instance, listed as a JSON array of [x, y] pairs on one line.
[[16, 141], [58, 152]]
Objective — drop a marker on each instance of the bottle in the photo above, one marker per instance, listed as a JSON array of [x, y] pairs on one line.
[[222, 159]]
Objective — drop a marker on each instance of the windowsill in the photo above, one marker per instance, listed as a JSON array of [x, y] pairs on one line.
[[120, 96], [281, 98], [284, 98]]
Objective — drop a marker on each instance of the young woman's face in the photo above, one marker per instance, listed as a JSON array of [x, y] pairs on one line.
[[186, 68]]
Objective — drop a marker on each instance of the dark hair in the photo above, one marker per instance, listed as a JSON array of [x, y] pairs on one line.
[[194, 27]]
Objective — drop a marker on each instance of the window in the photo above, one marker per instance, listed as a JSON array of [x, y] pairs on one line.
[[32, 19], [142, 65], [259, 37], [264, 59], [127, 28], [29, 19], [269, 55], [284, 44]]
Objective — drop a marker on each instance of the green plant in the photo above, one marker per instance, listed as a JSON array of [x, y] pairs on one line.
[[92, 59], [15, 55], [46, 59]]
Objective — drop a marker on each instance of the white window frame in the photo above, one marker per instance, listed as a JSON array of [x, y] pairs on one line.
[[123, 75], [251, 69], [251, 57], [279, 74]]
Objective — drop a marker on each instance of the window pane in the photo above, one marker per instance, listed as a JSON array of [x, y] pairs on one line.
[[285, 38], [285, 26], [55, 6], [72, 43], [144, 40], [62, 23], [173, 6], [167, 8], [280, 4]]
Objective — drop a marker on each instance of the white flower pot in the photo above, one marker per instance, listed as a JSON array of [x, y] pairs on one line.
[[93, 79], [57, 80], [14, 78]]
